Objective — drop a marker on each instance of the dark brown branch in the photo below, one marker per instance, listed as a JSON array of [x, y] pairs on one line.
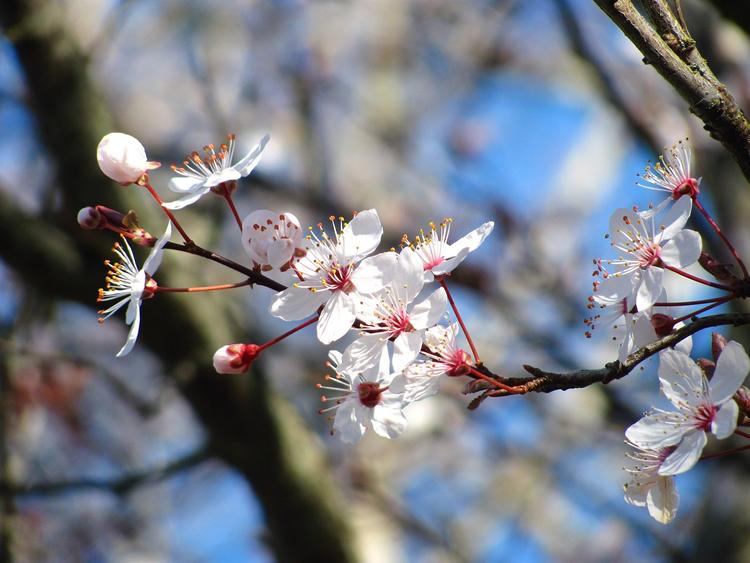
[[120, 485], [682, 65], [547, 381]]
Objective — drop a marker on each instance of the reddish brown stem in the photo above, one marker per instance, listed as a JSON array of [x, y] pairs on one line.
[[281, 337], [474, 352], [696, 279], [204, 288], [723, 237], [688, 303], [169, 214], [493, 381], [704, 309], [230, 202], [727, 452]]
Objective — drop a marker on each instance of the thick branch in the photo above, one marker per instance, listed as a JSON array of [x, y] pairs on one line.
[[682, 65]]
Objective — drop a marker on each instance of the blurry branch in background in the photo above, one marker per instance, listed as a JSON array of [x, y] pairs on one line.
[[670, 49], [545, 382], [734, 11], [632, 110], [119, 485], [7, 501]]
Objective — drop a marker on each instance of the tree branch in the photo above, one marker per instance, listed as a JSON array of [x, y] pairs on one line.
[[674, 55]]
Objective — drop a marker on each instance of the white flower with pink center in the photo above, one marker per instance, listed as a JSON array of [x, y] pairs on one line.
[[442, 356], [372, 397], [703, 406], [647, 247], [389, 314], [672, 175], [647, 487], [199, 174], [437, 255], [271, 239], [126, 284], [334, 276]]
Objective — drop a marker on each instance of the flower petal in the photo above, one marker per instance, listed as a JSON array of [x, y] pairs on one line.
[[686, 455], [185, 185], [682, 250], [364, 354], [373, 273], [350, 429], [153, 261], [296, 303], [246, 165], [405, 348], [653, 433], [680, 378], [388, 418], [472, 240], [427, 313], [650, 287], [186, 200], [280, 252], [135, 325], [674, 219], [725, 420], [663, 500], [362, 234], [731, 371], [450, 264], [408, 275], [337, 317]]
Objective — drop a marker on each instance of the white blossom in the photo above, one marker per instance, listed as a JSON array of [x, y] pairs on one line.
[[647, 487], [126, 284], [122, 158], [198, 175], [370, 398], [334, 275], [703, 406], [437, 255], [672, 175], [271, 239]]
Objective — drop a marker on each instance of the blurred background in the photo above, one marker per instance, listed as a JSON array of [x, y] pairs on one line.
[[536, 115]]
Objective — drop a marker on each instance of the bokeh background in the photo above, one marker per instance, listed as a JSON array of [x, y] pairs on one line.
[[537, 115]]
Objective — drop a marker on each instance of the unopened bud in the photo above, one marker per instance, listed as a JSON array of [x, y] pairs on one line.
[[122, 158], [235, 358], [719, 270], [743, 399], [707, 366], [663, 324], [90, 218], [717, 345]]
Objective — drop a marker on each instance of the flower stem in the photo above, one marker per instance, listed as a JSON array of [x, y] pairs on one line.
[[704, 309], [723, 237], [204, 288], [686, 303], [741, 433], [281, 337], [683, 273], [230, 202], [474, 352], [493, 381], [171, 216], [727, 452]]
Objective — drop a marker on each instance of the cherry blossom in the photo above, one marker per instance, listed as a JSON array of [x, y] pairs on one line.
[[647, 487], [126, 284], [235, 358], [672, 175], [122, 158], [440, 258], [373, 397], [387, 314], [334, 274], [703, 406], [647, 248], [198, 175], [271, 239], [442, 356]]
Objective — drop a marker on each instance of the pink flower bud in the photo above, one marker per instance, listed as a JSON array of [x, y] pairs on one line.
[[122, 158], [719, 270], [743, 399], [90, 218], [235, 358], [707, 366], [663, 324]]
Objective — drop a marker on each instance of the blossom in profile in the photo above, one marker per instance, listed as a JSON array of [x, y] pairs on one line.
[[672, 175], [122, 158], [271, 239], [702, 406], [334, 273], [440, 257], [647, 247], [128, 285], [389, 314], [373, 398], [199, 174], [647, 487]]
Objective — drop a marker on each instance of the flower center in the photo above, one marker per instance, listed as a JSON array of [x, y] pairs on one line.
[[398, 322], [339, 278], [458, 362], [704, 416], [370, 393], [433, 263], [649, 255], [688, 187]]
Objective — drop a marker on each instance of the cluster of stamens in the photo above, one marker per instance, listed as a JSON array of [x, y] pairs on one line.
[[431, 247], [213, 162]]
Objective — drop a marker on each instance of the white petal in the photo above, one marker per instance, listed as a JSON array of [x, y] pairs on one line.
[[153, 261], [222, 176], [663, 500], [420, 384], [388, 419], [364, 354], [725, 420], [472, 240], [251, 159], [296, 303], [622, 220], [682, 250], [731, 371], [133, 333], [675, 219], [346, 424], [280, 252], [651, 433], [428, 312], [186, 200], [373, 273], [337, 317], [680, 378], [614, 289], [686, 455], [405, 348], [184, 185], [650, 287], [447, 266], [362, 235], [408, 275]]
